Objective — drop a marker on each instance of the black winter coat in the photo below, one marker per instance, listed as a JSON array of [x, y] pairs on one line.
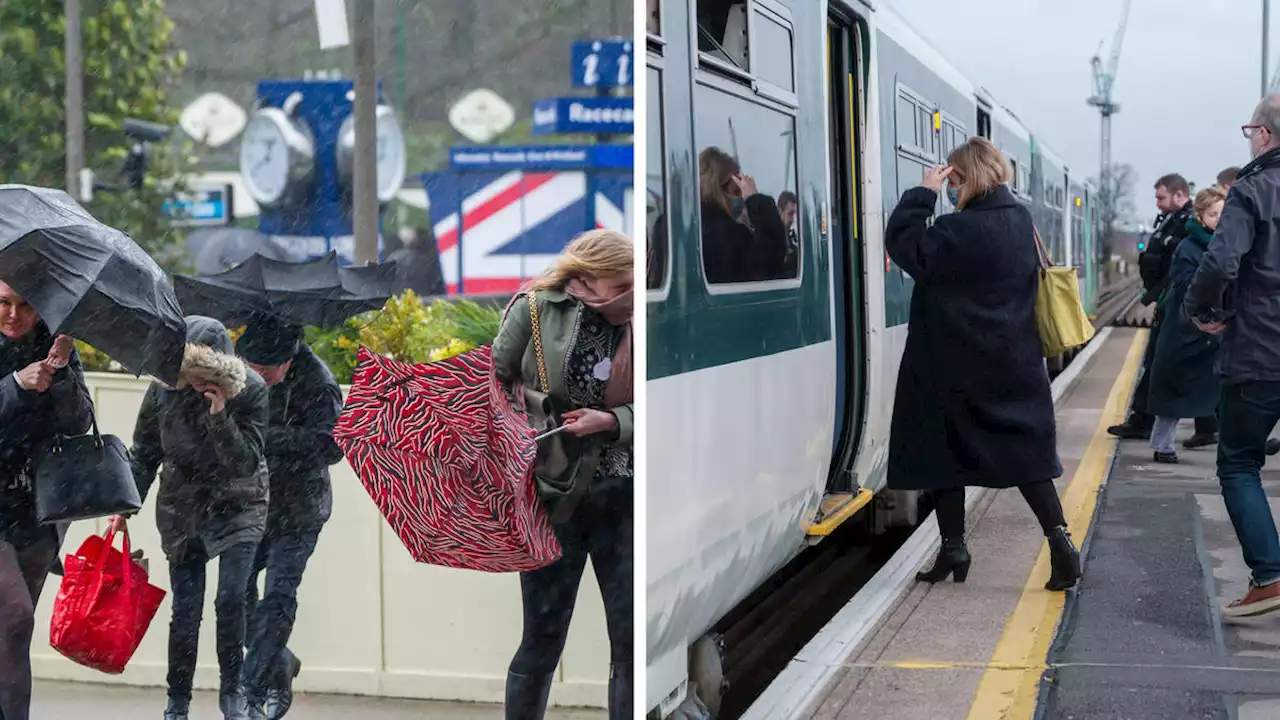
[[1239, 276], [299, 445], [28, 422], [1155, 262], [213, 487], [1183, 383], [973, 404], [734, 252]]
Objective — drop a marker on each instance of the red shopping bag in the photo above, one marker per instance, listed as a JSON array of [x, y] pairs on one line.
[[104, 606]]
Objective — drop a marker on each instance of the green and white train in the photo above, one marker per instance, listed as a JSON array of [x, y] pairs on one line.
[[769, 401]]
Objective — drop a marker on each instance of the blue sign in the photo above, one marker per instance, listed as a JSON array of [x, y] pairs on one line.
[[603, 63], [541, 158], [201, 207], [604, 115]]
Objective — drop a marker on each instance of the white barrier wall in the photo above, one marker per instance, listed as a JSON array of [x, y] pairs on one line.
[[371, 621]]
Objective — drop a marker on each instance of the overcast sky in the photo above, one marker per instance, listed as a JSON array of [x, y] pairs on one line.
[[1189, 75]]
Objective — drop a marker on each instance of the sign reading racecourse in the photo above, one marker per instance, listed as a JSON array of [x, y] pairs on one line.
[[583, 115]]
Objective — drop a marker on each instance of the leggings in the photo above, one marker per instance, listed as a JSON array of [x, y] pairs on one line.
[[22, 575], [600, 527], [187, 577], [1041, 496]]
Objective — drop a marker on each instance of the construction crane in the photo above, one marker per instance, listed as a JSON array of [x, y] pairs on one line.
[[1103, 81]]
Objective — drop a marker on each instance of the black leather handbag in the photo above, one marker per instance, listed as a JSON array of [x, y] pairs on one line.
[[84, 477]]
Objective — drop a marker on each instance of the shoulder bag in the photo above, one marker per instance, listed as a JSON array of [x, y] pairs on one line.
[[565, 464], [1060, 316], [83, 477]]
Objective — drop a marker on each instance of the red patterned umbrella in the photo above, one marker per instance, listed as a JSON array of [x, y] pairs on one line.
[[447, 461]]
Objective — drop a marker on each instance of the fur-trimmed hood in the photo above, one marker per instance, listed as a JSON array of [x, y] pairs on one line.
[[210, 357]]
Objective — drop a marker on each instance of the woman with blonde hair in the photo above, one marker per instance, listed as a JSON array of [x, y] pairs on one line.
[[973, 404], [1183, 381], [739, 244], [581, 359]]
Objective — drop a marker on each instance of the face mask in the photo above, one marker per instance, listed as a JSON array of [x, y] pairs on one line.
[[738, 206], [953, 195]]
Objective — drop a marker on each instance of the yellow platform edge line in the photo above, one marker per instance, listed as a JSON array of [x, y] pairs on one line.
[[1008, 689], [842, 513]]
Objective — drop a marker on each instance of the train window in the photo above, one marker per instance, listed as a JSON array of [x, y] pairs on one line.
[[654, 18], [722, 32], [910, 173], [1013, 171], [773, 48], [905, 123], [657, 225], [751, 239], [924, 131]]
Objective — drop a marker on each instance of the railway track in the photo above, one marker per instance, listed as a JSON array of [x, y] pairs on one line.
[[759, 637]]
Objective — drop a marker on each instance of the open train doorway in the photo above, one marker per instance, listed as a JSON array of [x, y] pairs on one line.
[[845, 73]]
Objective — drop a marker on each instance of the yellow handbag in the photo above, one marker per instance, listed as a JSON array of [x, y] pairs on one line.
[[1060, 316]]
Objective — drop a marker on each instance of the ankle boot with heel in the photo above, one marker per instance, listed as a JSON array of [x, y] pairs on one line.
[[1064, 559], [953, 559]]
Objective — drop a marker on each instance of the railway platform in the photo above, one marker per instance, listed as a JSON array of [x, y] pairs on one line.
[[1140, 638]]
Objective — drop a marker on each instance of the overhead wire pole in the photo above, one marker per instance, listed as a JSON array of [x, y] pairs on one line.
[[74, 95], [365, 168], [1266, 43]]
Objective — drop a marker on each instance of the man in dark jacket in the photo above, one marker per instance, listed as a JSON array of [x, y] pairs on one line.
[[1236, 291], [1174, 203], [418, 265], [305, 402]]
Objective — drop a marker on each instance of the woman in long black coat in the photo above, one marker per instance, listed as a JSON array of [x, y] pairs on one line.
[[1183, 381], [973, 404]]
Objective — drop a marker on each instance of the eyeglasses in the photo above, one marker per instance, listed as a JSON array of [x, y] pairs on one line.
[[1251, 130]]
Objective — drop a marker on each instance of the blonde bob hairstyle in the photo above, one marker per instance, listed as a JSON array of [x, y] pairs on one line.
[[1207, 197], [981, 167], [593, 254]]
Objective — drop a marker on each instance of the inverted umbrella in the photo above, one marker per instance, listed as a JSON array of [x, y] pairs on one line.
[[320, 292], [90, 281], [447, 461]]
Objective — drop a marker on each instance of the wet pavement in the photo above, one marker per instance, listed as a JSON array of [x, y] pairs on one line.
[[74, 701], [1144, 639]]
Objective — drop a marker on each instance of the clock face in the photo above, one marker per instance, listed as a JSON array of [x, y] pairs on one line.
[[264, 160], [391, 156]]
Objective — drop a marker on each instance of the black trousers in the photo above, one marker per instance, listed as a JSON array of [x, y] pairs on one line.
[[23, 570], [1041, 496], [268, 661], [187, 578], [1139, 414], [600, 528]]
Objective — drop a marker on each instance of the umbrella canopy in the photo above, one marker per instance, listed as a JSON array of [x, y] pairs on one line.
[[320, 293], [90, 281], [448, 462], [211, 250]]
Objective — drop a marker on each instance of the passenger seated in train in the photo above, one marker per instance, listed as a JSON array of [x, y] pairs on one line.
[[1183, 381], [743, 237], [973, 404]]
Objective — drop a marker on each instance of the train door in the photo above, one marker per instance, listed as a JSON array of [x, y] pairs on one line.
[[845, 66]]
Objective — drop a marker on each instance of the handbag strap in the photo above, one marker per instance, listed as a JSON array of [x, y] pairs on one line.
[[100, 569], [1041, 253], [537, 341]]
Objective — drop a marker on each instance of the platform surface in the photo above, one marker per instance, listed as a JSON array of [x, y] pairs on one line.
[[76, 701], [1141, 638]]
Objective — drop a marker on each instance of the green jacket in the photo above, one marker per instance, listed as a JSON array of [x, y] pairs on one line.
[[514, 356]]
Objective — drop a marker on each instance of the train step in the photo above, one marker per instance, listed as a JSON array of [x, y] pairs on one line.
[[836, 509]]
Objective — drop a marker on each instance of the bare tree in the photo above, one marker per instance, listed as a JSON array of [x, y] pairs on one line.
[[1115, 200]]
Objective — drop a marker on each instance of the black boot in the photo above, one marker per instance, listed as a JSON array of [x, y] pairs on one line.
[[1064, 559], [179, 708], [280, 699], [527, 695], [1273, 446], [234, 706], [952, 557], [1200, 440], [621, 697]]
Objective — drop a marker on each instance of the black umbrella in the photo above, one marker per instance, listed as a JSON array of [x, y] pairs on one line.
[[320, 293], [90, 281]]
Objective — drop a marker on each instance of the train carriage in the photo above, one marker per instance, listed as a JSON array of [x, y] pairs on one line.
[[769, 396]]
